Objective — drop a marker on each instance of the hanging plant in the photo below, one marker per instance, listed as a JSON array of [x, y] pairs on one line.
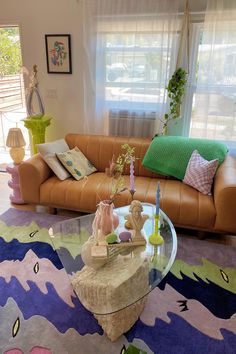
[[175, 88]]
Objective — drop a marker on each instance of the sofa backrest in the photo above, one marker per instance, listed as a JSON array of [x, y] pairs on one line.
[[99, 150]]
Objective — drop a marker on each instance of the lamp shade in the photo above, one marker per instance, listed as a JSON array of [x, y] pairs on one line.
[[15, 138]]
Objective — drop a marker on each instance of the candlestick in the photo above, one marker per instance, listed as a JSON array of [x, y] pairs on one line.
[[158, 199], [156, 239], [132, 174], [132, 194]]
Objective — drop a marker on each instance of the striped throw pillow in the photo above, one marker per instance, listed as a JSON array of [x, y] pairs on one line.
[[200, 173]]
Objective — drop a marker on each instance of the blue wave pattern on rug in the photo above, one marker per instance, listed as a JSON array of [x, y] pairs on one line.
[[33, 302], [209, 294], [15, 250], [192, 311]]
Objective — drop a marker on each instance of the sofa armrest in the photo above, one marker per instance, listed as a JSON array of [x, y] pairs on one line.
[[32, 173], [225, 196]]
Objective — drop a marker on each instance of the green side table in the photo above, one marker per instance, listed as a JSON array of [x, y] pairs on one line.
[[37, 128]]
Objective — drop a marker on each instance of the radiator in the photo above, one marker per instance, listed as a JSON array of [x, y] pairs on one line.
[[132, 124]]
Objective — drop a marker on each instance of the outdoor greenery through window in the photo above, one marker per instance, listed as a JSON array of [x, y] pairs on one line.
[[10, 51], [12, 96]]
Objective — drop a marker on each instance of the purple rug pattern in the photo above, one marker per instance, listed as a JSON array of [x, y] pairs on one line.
[[192, 310]]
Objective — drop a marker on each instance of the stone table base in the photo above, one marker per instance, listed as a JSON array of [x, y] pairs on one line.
[[112, 292], [115, 324]]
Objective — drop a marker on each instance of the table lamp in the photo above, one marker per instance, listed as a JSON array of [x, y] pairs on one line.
[[16, 141]]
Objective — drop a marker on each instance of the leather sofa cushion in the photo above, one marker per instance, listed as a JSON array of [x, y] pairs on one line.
[[100, 149], [183, 204]]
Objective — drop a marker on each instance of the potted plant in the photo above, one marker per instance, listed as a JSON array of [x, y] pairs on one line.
[[175, 89]]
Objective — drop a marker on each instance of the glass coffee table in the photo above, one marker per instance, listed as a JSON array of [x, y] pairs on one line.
[[116, 292]]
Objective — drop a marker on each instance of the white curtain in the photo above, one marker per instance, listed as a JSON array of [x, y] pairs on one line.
[[184, 55], [214, 106], [130, 50]]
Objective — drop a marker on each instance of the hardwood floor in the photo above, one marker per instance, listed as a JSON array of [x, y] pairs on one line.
[[5, 204]]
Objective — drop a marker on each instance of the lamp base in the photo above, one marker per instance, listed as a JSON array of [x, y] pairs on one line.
[[17, 154]]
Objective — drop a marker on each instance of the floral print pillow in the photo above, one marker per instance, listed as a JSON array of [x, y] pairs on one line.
[[76, 163]]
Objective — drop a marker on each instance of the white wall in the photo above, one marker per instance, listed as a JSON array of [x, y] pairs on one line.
[[37, 18]]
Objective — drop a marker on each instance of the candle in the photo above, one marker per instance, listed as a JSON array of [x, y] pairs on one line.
[[132, 174], [158, 199]]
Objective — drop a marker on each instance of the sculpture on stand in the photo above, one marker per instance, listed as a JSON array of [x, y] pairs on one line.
[[37, 121], [33, 90], [135, 221]]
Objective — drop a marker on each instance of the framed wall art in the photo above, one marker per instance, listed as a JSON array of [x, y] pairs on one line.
[[58, 52]]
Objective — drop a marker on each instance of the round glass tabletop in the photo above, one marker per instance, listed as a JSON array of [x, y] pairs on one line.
[[127, 275]]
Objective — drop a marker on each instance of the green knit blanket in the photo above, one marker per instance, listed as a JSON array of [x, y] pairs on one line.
[[169, 155]]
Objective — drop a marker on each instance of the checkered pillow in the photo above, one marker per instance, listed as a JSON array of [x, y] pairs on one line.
[[200, 173]]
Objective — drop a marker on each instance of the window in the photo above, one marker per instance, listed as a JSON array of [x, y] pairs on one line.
[[214, 101], [137, 66]]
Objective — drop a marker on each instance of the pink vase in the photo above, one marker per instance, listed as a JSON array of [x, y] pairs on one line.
[[108, 219]]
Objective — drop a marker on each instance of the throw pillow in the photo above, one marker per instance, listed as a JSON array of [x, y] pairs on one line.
[[76, 163], [48, 152], [200, 173], [169, 155]]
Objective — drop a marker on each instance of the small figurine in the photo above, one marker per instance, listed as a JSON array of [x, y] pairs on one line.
[[135, 220]]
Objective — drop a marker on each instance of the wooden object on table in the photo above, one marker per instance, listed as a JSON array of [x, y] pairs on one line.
[[14, 183], [37, 127], [107, 290]]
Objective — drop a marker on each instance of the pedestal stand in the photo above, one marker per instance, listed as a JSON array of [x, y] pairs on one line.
[[37, 127], [14, 183]]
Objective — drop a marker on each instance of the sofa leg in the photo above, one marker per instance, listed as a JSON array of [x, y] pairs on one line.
[[52, 211], [202, 235]]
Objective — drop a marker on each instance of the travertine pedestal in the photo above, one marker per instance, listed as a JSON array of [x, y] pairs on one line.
[[108, 292], [115, 324]]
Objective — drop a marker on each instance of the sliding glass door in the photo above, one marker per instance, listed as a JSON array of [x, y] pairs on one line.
[[12, 94]]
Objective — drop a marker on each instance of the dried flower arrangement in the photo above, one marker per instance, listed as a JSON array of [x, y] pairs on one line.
[[116, 170]]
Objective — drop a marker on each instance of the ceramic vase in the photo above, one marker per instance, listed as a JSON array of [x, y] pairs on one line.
[[108, 220]]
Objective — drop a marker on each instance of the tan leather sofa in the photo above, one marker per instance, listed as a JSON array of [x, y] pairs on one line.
[[185, 206]]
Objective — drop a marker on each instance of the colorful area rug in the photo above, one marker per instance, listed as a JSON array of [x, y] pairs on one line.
[[192, 311]]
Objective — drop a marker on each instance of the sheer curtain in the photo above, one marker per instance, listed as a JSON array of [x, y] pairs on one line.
[[214, 107], [130, 51]]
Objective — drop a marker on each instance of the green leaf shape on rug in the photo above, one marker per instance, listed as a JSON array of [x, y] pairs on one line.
[[208, 271], [24, 235], [28, 233], [73, 243], [132, 350]]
